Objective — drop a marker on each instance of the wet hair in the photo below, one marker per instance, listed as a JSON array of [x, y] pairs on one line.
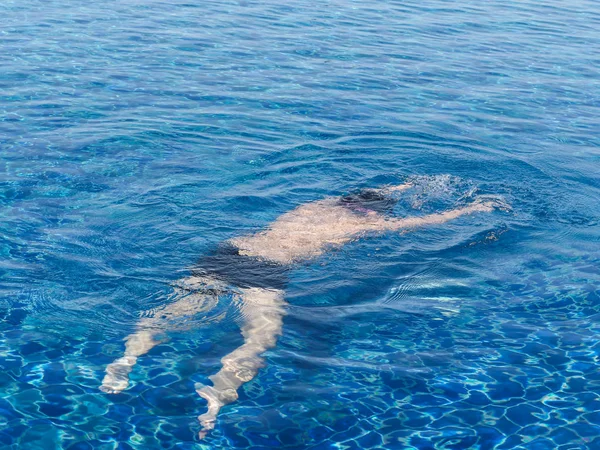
[[367, 200]]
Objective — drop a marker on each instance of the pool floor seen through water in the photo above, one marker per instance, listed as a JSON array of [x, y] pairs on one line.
[[137, 136]]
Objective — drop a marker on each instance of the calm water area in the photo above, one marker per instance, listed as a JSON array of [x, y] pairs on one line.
[[135, 135]]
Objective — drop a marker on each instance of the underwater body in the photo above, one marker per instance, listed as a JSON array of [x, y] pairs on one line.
[[137, 136]]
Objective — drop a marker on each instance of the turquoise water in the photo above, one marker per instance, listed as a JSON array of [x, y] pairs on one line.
[[135, 136]]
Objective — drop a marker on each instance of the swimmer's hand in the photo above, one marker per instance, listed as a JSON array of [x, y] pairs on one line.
[[397, 187], [489, 203]]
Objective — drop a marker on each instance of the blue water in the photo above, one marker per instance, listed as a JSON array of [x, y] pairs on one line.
[[135, 135]]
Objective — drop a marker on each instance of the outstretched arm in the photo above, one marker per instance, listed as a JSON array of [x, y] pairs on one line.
[[438, 218]]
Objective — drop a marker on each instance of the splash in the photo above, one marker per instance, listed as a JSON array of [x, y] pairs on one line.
[[435, 192]]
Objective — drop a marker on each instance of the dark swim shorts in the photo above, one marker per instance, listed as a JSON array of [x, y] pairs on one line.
[[367, 200], [226, 264]]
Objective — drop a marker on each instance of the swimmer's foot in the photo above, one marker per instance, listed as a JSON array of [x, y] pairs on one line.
[[216, 399], [117, 375]]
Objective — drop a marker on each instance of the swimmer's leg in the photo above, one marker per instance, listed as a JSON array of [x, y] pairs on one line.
[[153, 323], [137, 344], [263, 312]]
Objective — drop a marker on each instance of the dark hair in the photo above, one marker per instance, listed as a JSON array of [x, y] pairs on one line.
[[369, 199]]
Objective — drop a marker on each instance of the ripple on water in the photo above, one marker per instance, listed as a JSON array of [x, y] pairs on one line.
[[127, 155]]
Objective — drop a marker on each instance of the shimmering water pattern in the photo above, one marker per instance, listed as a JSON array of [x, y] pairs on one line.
[[136, 135]]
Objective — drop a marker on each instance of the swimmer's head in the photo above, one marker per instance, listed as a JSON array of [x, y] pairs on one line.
[[369, 200]]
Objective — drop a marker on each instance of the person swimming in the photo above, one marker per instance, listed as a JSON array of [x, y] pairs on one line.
[[254, 270]]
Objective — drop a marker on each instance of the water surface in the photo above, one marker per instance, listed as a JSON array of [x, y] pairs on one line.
[[135, 135]]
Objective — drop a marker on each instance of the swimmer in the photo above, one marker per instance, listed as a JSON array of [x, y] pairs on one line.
[[253, 269]]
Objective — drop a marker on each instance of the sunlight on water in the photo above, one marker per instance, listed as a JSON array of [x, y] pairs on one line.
[[136, 136]]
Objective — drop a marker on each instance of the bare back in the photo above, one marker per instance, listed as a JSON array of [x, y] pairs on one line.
[[308, 231]]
